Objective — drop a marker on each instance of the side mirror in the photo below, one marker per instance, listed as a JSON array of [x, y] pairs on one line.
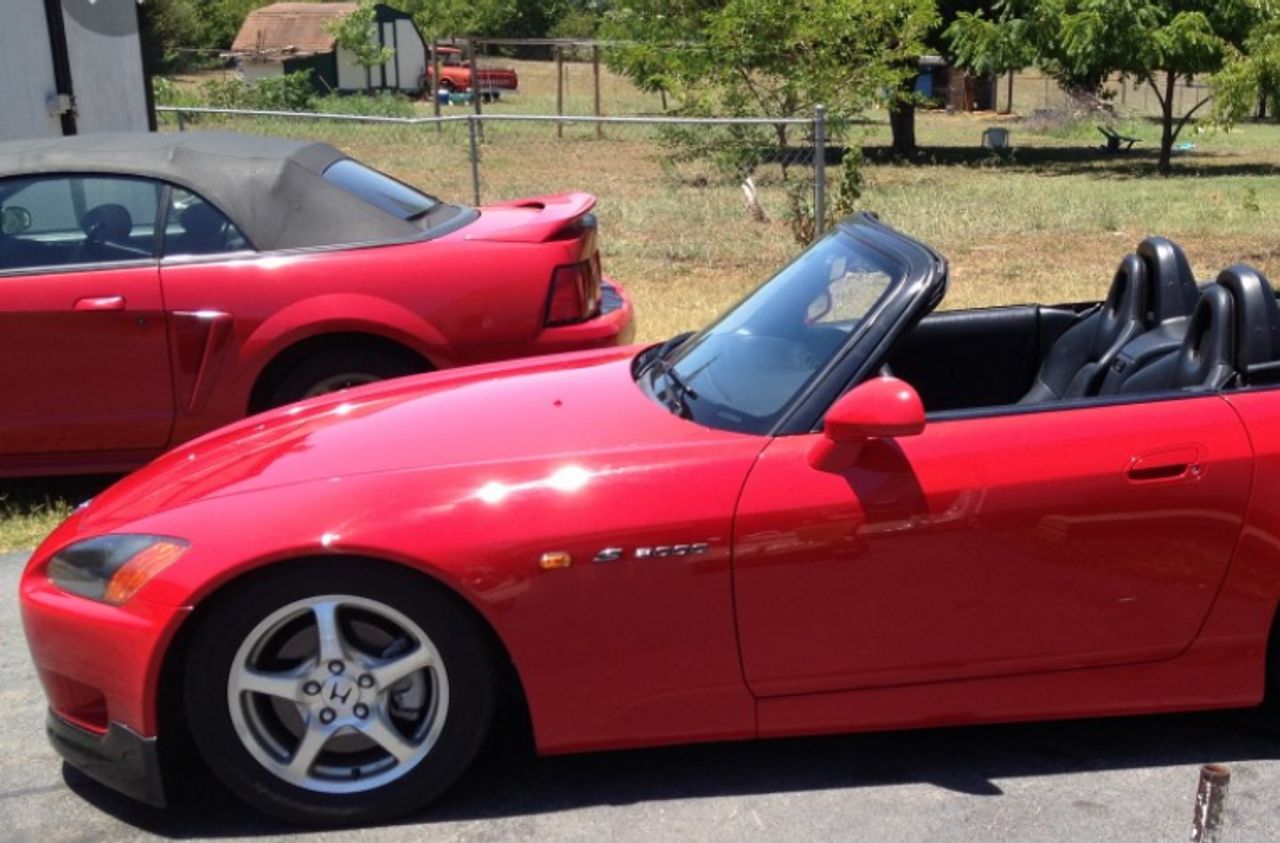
[[880, 408]]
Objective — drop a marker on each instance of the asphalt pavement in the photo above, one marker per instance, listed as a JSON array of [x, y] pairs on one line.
[[1119, 779]]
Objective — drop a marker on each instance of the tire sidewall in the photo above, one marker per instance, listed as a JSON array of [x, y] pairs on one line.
[[451, 628], [339, 361]]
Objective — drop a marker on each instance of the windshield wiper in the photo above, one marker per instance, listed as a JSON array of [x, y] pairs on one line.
[[659, 354], [679, 391]]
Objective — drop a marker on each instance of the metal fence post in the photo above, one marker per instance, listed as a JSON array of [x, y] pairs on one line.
[[472, 120], [182, 121], [819, 170]]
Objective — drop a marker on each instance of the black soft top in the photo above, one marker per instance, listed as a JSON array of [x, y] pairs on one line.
[[271, 188]]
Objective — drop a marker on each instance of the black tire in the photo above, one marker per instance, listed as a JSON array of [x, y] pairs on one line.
[[366, 365], [458, 638]]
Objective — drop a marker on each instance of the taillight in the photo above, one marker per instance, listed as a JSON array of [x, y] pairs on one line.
[[575, 292]]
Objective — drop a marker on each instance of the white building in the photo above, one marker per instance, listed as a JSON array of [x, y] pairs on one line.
[[71, 67], [291, 37]]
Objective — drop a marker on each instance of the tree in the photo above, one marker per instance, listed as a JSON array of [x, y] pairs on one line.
[[355, 33], [770, 58], [1251, 77], [1082, 42], [496, 18]]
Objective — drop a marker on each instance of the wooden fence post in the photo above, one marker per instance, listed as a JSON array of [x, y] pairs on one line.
[[595, 72], [559, 90]]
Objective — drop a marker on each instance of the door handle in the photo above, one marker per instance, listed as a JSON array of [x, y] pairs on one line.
[[1182, 462], [100, 303]]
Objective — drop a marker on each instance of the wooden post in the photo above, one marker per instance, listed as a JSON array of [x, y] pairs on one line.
[[559, 90], [595, 74], [475, 84], [435, 81]]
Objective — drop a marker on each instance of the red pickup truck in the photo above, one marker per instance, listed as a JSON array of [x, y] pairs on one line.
[[455, 75]]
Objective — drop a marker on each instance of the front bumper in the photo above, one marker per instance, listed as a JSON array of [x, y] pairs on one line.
[[120, 758]]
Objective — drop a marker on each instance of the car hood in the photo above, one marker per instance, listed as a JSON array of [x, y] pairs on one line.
[[542, 408]]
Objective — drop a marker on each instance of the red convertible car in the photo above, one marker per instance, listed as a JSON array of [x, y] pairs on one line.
[[828, 511], [159, 286]]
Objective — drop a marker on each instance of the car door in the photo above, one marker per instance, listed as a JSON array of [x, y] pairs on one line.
[[989, 545], [82, 329]]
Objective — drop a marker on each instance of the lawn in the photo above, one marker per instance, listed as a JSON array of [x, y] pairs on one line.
[[1049, 222]]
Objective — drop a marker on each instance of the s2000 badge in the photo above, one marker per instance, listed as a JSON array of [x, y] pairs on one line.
[[617, 554]]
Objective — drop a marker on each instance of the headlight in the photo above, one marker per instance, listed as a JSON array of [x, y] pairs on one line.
[[112, 568]]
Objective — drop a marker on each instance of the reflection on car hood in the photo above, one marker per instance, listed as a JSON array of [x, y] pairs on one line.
[[563, 405]]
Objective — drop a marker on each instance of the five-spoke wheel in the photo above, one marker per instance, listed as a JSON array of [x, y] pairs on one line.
[[338, 691]]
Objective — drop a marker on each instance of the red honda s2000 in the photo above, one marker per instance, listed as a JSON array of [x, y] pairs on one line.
[[827, 511], [156, 287]]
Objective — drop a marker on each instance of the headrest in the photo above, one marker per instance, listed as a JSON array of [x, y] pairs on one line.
[[1172, 293], [107, 222], [200, 218], [1256, 317]]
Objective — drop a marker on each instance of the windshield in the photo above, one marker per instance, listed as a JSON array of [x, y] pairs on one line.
[[743, 371], [381, 191]]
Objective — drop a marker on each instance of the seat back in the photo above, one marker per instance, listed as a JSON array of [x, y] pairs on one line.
[[1172, 292], [1206, 358], [1079, 358], [1257, 320]]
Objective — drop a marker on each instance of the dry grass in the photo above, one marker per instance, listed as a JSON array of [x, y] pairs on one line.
[[1049, 223]]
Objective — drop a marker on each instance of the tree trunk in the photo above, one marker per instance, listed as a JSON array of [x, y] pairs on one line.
[[1167, 135], [1009, 103], [902, 120]]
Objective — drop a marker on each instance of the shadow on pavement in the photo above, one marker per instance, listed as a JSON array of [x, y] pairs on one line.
[[509, 782]]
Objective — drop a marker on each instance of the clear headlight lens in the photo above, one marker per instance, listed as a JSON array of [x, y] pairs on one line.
[[111, 569]]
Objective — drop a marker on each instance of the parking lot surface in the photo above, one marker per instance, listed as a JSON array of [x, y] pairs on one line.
[[1125, 779]]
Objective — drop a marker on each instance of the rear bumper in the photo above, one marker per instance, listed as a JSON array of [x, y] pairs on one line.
[[615, 325], [120, 758]]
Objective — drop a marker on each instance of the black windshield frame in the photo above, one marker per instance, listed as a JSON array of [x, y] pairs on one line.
[[918, 285]]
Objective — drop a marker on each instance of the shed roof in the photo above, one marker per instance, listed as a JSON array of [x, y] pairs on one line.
[[296, 28]]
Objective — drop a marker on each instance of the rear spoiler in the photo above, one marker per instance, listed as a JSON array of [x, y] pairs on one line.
[[556, 213]]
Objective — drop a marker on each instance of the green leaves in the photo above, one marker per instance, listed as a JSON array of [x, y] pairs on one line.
[[773, 58], [355, 33]]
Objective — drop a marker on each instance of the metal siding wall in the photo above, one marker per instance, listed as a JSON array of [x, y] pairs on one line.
[[26, 72], [350, 74], [411, 55], [106, 66]]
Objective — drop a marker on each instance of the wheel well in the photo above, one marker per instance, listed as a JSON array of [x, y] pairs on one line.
[[1271, 665], [285, 362], [178, 749]]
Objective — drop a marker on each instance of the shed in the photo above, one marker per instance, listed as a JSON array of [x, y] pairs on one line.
[[70, 67], [291, 37]]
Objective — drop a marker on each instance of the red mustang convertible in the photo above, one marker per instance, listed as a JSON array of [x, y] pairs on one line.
[[159, 286], [828, 511]]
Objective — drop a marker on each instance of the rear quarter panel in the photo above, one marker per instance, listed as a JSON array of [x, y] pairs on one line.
[[452, 301]]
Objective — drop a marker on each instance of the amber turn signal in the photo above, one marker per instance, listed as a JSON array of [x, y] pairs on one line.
[[555, 559]]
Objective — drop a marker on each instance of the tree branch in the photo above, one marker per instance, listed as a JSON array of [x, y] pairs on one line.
[[1186, 117], [1151, 80]]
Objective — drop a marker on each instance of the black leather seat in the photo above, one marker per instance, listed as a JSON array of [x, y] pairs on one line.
[[1078, 360], [1257, 319], [1205, 359], [1156, 281], [1173, 292], [1234, 332], [108, 231]]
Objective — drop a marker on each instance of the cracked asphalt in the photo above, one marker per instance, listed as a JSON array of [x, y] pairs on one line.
[[1119, 779]]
